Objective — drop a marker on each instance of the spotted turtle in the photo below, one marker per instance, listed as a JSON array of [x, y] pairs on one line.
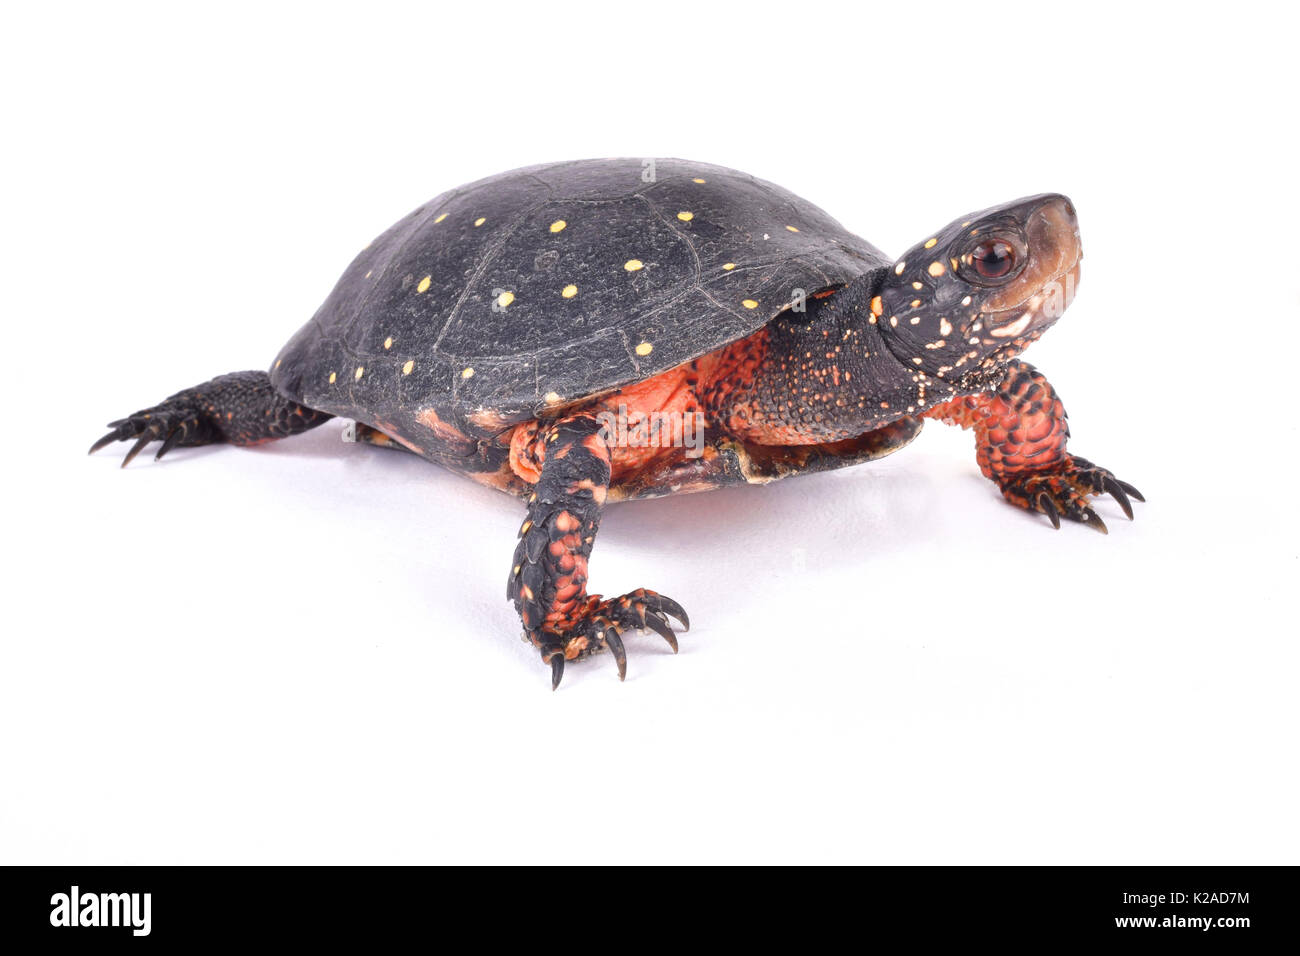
[[584, 332]]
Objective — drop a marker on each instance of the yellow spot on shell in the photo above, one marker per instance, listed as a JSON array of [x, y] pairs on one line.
[[361, 370], [333, 377], [749, 304], [632, 265], [918, 286], [440, 218], [558, 225], [277, 362], [406, 369], [645, 348], [898, 269], [388, 342], [728, 266], [569, 291], [551, 397], [916, 303], [685, 216], [792, 228], [480, 220], [697, 180], [467, 373], [930, 243], [424, 284], [505, 298], [877, 306], [937, 269]]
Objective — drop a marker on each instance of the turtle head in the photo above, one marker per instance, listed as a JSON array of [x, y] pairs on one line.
[[980, 290]]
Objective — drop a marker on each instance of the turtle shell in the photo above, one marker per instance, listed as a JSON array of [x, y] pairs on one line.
[[517, 295]]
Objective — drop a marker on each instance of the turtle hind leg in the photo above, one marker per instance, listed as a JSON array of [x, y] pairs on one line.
[[548, 582], [242, 408]]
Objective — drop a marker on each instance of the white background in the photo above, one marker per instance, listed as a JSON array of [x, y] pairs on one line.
[[303, 652]]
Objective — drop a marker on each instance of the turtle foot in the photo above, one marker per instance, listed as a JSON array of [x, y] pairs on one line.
[[1062, 491], [600, 627], [242, 408], [171, 423]]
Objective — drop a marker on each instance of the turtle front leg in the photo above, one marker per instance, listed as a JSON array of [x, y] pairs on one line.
[[1020, 433], [548, 581]]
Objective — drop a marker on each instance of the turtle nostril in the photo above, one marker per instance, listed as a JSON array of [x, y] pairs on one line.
[[1067, 211]]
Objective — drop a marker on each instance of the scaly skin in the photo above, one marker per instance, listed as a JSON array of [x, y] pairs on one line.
[[1021, 432], [548, 581], [242, 408]]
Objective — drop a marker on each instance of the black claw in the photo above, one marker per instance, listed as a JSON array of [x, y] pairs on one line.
[[615, 645], [1113, 488], [557, 669], [662, 629], [1092, 520], [1048, 507], [1132, 492], [675, 609], [106, 440], [172, 441], [145, 438]]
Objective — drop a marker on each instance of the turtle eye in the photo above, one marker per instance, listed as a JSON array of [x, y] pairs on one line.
[[993, 258]]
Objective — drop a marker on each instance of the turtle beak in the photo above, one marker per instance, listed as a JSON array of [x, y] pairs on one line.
[[1042, 291], [1053, 230]]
